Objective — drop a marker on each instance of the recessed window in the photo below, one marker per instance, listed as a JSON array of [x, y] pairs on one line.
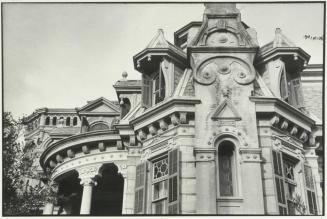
[[226, 164], [74, 121], [54, 121], [47, 120], [68, 121]]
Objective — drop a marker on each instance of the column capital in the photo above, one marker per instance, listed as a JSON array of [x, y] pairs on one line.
[[87, 173], [88, 182]]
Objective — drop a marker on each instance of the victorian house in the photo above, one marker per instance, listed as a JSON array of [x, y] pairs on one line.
[[217, 125]]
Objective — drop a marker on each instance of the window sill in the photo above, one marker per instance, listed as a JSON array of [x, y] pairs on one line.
[[229, 199]]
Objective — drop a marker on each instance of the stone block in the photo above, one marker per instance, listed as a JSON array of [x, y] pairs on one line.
[[187, 169], [188, 186]]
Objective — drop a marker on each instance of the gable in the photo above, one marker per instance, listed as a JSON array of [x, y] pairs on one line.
[[100, 105], [101, 108], [226, 110]]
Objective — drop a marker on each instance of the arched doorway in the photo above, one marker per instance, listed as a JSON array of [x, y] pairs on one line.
[[107, 198], [69, 194]]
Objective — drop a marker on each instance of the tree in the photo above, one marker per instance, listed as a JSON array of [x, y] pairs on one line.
[[17, 163]]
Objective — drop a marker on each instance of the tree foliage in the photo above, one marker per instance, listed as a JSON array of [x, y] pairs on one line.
[[19, 196]]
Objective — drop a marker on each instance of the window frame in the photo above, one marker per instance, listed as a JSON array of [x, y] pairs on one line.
[[235, 167], [153, 181]]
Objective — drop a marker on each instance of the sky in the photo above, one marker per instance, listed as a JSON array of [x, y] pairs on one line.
[[62, 55]]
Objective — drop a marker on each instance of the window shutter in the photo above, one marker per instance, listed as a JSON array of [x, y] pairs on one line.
[[283, 87], [173, 182], [297, 96], [140, 189], [146, 91], [309, 184], [279, 182]]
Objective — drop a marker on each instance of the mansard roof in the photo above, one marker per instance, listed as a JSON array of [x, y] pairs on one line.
[[281, 45], [158, 47]]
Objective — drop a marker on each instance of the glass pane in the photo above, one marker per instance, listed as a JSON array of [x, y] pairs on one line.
[[160, 168], [158, 207], [159, 190]]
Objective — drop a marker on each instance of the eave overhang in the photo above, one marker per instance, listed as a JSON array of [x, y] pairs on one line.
[[77, 140], [271, 105], [185, 104], [296, 52], [155, 54]]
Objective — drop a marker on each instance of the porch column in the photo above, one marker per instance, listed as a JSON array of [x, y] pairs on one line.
[[206, 181], [124, 196], [87, 184], [87, 175]]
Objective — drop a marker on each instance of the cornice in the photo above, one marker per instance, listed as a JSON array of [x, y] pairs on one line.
[[112, 133], [283, 106], [175, 54], [164, 105], [264, 56]]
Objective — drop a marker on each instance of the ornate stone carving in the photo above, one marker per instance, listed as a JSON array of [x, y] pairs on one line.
[[101, 146], [284, 125], [142, 135], [152, 129], [275, 120], [87, 173], [53, 164], [59, 158], [163, 124], [174, 119], [70, 153], [85, 149], [207, 71], [304, 136], [294, 130]]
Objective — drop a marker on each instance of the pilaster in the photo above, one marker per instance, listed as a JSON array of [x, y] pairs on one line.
[[205, 180]]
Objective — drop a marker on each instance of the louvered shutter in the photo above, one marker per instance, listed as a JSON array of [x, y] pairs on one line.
[[173, 182], [140, 189], [279, 182], [311, 195], [296, 90], [146, 91]]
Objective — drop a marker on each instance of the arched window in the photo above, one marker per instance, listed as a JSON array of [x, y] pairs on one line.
[[54, 121], [74, 121], [227, 169], [98, 127], [68, 121], [61, 121], [125, 107], [47, 120]]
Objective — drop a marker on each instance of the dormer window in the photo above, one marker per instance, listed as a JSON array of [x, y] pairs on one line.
[[158, 88], [290, 90], [153, 88]]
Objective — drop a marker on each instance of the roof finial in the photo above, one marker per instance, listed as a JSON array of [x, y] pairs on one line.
[[220, 8], [124, 74]]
